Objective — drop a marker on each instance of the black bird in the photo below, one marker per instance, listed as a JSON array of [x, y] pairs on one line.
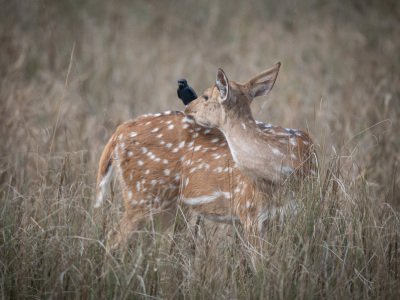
[[185, 92]]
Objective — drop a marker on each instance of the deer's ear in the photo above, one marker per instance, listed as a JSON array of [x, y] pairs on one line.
[[222, 84], [262, 84]]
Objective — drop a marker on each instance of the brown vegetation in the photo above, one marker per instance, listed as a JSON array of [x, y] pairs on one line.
[[71, 71]]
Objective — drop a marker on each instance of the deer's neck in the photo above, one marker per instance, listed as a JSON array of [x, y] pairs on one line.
[[252, 150]]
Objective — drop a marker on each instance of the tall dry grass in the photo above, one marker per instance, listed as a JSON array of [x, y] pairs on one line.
[[71, 71]]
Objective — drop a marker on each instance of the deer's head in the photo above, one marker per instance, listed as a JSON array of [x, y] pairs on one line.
[[227, 99]]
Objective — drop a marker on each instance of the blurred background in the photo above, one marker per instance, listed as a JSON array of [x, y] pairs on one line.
[[71, 71]]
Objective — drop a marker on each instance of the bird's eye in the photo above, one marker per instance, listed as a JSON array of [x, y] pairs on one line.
[[205, 97]]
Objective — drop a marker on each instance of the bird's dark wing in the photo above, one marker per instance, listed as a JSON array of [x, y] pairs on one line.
[[193, 92], [178, 93]]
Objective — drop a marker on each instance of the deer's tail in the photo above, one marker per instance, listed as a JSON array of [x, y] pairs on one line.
[[105, 172]]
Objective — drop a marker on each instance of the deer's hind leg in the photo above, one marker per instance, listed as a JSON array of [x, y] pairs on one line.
[[144, 217], [119, 237]]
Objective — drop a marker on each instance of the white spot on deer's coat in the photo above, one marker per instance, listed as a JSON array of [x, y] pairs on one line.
[[275, 151], [144, 150], [134, 202], [175, 150], [157, 114], [140, 163], [206, 199], [167, 172], [132, 134], [244, 126], [170, 127], [195, 135], [293, 141], [130, 153], [207, 131], [218, 169], [187, 120], [186, 126], [215, 140], [169, 145], [165, 161], [187, 182], [147, 172], [153, 182], [159, 136], [190, 144], [197, 148], [138, 186], [155, 129], [181, 144], [122, 146]]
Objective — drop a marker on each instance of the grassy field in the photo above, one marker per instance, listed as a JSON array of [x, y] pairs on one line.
[[71, 71]]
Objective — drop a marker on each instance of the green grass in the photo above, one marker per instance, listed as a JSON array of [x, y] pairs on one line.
[[339, 80]]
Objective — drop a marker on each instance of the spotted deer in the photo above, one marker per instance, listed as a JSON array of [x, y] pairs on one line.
[[264, 159], [165, 160]]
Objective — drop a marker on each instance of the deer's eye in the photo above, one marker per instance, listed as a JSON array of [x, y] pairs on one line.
[[205, 97]]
